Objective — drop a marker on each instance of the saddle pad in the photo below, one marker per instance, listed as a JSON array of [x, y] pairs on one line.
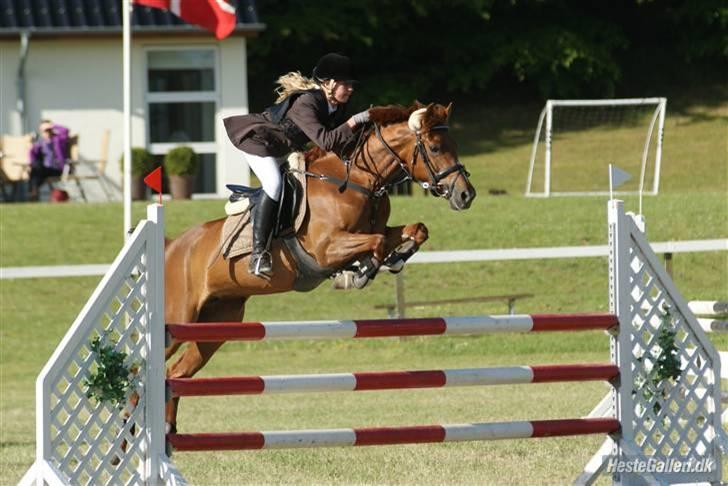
[[237, 235], [237, 232]]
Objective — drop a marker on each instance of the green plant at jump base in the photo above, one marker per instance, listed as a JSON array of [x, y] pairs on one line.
[[665, 370], [111, 381]]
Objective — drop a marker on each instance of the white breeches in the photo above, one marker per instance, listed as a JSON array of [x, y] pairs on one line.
[[267, 171]]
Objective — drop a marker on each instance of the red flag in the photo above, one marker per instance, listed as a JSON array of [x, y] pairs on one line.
[[154, 180], [217, 16]]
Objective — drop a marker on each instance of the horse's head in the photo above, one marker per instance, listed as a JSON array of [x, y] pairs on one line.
[[418, 139], [435, 161]]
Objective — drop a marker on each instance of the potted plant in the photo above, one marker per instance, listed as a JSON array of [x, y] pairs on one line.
[[180, 164], [142, 163]]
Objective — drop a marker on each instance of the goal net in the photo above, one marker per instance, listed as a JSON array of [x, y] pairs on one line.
[[576, 140]]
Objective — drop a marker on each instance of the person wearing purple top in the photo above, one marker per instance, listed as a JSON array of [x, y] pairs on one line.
[[48, 155]]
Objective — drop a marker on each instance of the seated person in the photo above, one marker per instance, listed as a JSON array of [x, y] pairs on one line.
[[48, 155]]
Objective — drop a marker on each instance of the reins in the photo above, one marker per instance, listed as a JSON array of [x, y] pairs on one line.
[[435, 177], [433, 185]]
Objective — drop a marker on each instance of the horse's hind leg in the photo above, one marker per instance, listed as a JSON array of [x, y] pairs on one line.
[[196, 355]]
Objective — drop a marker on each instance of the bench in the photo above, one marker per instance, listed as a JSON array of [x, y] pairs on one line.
[[510, 299]]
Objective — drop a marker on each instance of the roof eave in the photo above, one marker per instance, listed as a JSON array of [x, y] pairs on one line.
[[244, 30]]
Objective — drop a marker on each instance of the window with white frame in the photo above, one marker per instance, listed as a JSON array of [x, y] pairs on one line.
[[182, 99]]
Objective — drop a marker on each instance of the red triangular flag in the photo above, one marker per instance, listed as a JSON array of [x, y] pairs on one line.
[[154, 180], [217, 16]]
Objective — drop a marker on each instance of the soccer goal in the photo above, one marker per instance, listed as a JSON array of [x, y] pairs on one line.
[[576, 140]]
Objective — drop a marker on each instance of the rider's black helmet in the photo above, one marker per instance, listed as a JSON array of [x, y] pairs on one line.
[[334, 66]]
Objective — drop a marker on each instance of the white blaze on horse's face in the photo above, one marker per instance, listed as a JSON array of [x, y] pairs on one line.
[[446, 177], [415, 120]]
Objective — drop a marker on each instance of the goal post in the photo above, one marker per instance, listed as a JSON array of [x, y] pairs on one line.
[[576, 140]]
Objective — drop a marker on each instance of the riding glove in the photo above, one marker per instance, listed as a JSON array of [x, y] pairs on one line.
[[361, 117]]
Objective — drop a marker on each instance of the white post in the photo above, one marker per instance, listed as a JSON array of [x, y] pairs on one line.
[[619, 304], [536, 138], [547, 168], [646, 152], [658, 149], [155, 386], [126, 60]]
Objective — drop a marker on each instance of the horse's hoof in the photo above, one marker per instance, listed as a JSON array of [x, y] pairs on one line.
[[360, 281], [395, 267], [346, 280], [343, 280]]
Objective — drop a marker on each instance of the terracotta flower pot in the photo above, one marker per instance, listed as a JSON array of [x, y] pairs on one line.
[[181, 186]]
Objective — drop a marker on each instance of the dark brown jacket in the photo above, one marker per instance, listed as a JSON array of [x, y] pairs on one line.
[[307, 119]]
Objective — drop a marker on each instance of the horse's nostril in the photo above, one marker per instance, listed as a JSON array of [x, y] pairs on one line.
[[465, 196]]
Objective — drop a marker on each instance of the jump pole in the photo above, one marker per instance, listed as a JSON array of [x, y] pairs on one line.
[[389, 380], [420, 434], [370, 328]]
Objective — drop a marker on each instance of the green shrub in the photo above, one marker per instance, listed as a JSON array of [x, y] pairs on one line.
[[142, 162], [181, 161]]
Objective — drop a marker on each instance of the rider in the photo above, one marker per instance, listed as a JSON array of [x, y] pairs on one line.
[[307, 109]]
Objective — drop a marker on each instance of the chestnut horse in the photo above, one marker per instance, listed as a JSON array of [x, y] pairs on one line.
[[340, 226]]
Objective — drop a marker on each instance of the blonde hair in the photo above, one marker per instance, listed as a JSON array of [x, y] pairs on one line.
[[294, 81]]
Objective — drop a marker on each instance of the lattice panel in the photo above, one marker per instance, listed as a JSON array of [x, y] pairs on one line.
[[671, 420], [93, 443]]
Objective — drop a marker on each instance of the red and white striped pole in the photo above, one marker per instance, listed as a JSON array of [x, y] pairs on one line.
[[391, 435], [389, 380], [370, 328]]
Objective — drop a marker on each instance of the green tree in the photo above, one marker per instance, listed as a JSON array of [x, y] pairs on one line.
[[406, 49]]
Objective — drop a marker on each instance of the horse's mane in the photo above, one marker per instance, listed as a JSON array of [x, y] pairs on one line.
[[384, 115], [314, 153]]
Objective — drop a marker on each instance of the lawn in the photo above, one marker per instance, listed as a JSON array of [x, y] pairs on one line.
[[495, 146]]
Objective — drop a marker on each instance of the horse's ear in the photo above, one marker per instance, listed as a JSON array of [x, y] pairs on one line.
[[417, 105], [431, 111], [448, 110]]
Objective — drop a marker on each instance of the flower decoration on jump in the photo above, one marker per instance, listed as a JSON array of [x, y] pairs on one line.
[[111, 380]]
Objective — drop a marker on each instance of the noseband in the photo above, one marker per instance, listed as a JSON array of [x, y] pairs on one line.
[[433, 185]]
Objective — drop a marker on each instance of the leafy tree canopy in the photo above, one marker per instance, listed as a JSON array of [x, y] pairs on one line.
[[404, 49]]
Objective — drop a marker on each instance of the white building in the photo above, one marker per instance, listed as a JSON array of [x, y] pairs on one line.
[[66, 65]]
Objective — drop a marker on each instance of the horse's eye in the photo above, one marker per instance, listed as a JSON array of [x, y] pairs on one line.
[[434, 149]]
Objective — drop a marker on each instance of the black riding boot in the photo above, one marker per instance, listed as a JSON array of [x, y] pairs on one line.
[[263, 219]]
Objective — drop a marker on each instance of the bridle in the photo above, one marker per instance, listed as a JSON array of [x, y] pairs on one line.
[[434, 185]]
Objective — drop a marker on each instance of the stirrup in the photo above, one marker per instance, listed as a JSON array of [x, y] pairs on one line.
[[260, 266]]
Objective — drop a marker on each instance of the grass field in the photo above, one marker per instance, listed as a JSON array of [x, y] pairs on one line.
[[495, 146]]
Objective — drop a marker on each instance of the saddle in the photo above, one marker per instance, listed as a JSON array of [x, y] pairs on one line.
[[237, 232], [244, 198]]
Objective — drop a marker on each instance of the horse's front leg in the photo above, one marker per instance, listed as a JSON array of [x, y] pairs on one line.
[[343, 247], [401, 242]]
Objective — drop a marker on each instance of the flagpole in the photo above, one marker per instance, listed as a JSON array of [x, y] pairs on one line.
[[126, 55], [611, 188]]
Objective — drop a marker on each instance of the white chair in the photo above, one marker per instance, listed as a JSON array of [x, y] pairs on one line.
[[14, 163], [79, 169]]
